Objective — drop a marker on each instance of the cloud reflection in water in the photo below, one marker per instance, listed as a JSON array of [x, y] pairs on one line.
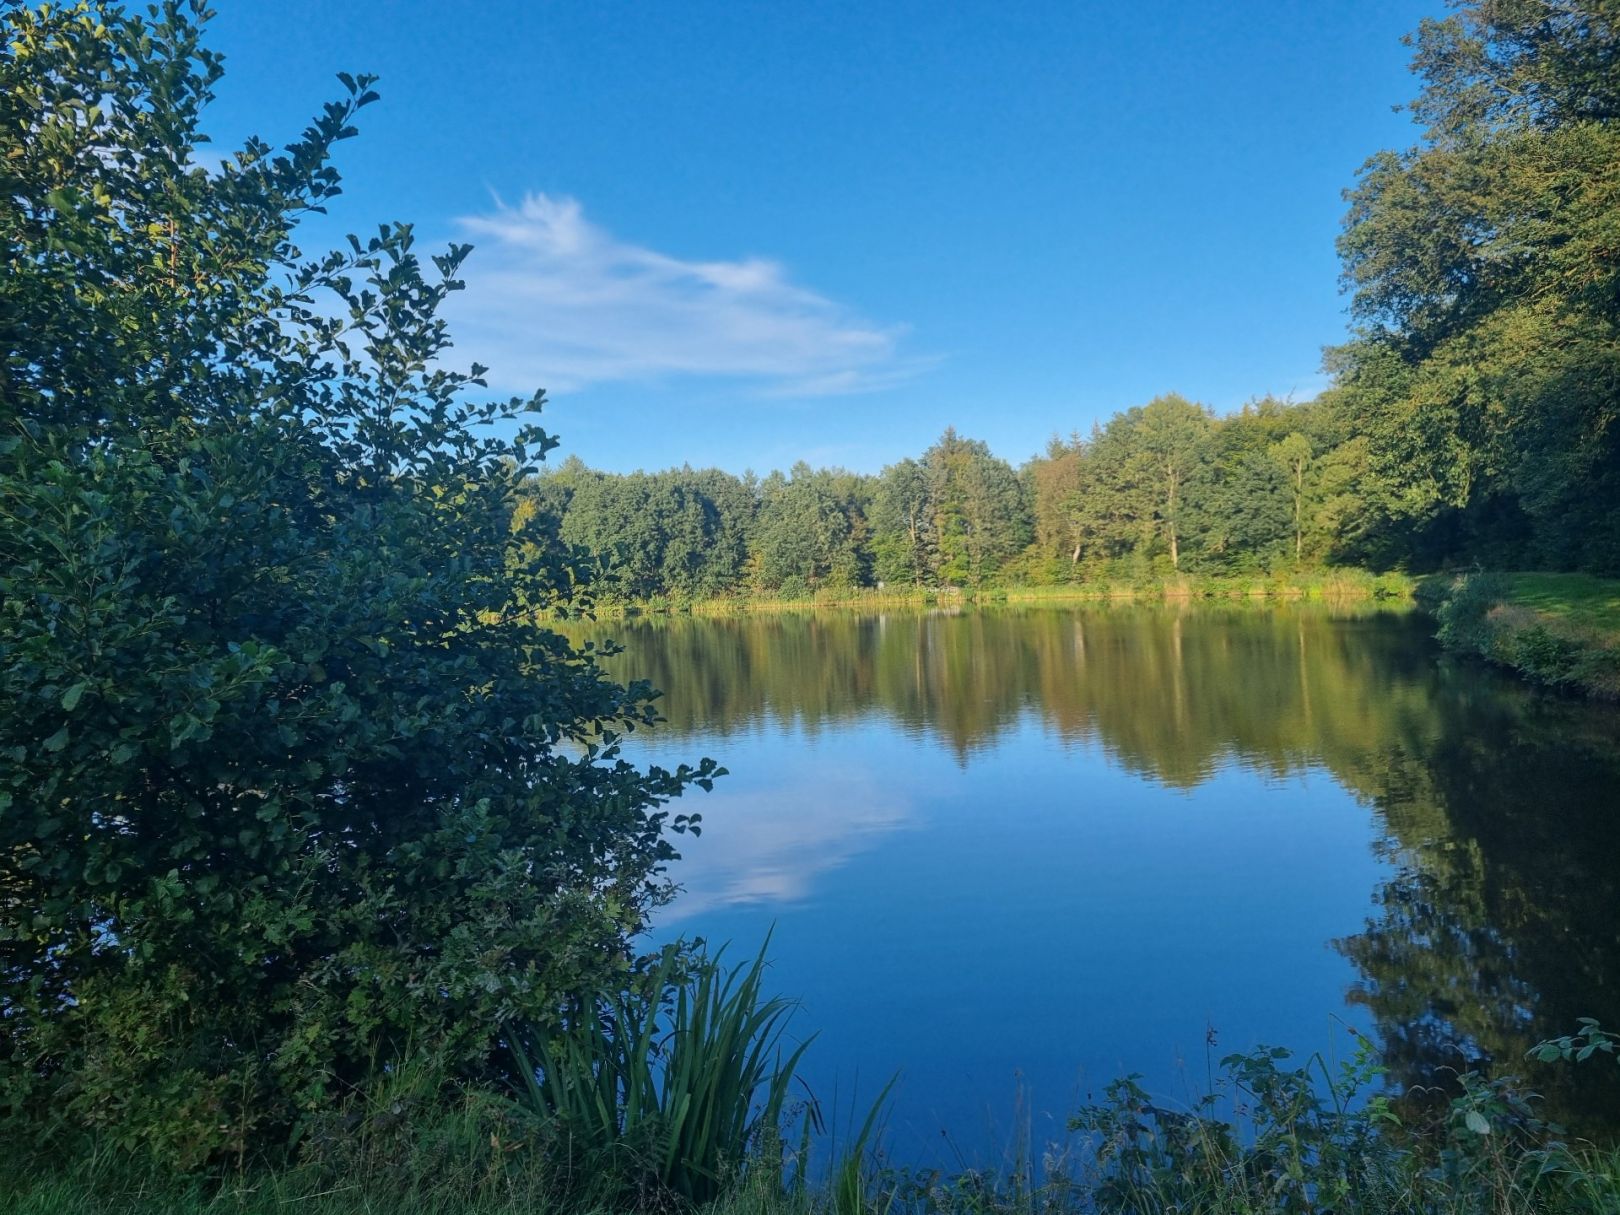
[[766, 843]]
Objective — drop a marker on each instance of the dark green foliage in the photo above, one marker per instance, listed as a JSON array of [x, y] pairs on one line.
[[1306, 1139], [1167, 488], [905, 530], [1162, 489], [1269, 1138], [810, 532], [682, 532], [1241, 515], [1589, 1040], [294, 786], [1463, 612], [977, 503], [1272, 1138], [1486, 378]]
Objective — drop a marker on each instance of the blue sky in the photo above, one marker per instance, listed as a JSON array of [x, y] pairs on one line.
[[746, 233]]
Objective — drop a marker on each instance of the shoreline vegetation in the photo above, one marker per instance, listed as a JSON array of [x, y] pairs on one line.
[[1557, 630], [613, 1126], [1329, 586]]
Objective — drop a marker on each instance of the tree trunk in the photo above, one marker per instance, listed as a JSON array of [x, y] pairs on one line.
[[1299, 510], [1170, 519]]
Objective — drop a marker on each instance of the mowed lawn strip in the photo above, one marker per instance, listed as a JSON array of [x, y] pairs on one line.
[[1582, 601]]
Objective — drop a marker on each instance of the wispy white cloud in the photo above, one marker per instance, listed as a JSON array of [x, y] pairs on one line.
[[1306, 386], [554, 300]]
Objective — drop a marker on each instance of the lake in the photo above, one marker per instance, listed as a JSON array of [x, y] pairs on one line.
[[1012, 854]]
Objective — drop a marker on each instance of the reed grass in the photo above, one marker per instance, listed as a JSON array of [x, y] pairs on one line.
[[1334, 585], [672, 1085]]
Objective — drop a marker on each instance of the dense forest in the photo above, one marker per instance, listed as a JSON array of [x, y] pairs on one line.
[[1165, 488], [1474, 415]]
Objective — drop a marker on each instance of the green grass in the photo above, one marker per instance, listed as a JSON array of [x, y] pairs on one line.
[[1582, 601], [1561, 630], [1334, 585], [1146, 1161]]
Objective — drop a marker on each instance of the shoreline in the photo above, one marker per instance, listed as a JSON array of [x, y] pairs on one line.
[[1335, 586], [1558, 631]]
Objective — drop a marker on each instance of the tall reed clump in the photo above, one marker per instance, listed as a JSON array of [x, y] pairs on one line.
[[674, 1085]]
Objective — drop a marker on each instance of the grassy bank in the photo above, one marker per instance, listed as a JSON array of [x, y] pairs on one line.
[[1272, 1139], [1560, 630], [675, 1098], [1347, 585]]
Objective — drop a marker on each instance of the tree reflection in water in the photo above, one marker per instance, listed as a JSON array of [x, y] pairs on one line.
[[1499, 805]]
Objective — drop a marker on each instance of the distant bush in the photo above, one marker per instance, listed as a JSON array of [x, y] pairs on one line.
[[1463, 608]]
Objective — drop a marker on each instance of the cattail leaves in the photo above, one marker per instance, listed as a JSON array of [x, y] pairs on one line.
[[678, 1079]]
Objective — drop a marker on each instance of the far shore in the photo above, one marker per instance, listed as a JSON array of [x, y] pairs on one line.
[[1329, 586]]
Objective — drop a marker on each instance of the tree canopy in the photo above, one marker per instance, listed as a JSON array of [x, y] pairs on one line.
[[1485, 276], [294, 783]]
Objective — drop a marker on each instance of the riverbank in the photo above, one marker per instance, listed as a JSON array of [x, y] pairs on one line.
[[702, 1125], [1274, 1136], [1557, 630], [1346, 585]]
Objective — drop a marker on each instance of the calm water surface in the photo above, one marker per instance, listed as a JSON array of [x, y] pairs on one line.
[[1013, 852]]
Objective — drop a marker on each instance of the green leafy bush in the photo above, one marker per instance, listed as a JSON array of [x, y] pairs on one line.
[[294, 785], [1545, 655], [1463, 612]]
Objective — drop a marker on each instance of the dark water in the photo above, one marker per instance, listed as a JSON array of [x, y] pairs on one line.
[[1023, 852]]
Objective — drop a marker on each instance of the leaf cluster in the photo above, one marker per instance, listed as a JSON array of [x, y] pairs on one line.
[[294, 785]]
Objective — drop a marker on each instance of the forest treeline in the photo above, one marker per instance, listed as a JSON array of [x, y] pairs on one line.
[[1474, 415], [1161, 489]]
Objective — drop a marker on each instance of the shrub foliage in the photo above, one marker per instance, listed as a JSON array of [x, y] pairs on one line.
[[293, 782]]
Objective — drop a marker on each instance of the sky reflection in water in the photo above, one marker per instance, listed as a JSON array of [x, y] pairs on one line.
[[1040, 849]]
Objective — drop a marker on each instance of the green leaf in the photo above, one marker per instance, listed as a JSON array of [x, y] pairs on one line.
[[1475, 1121], [70, 698], [58, 740]]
